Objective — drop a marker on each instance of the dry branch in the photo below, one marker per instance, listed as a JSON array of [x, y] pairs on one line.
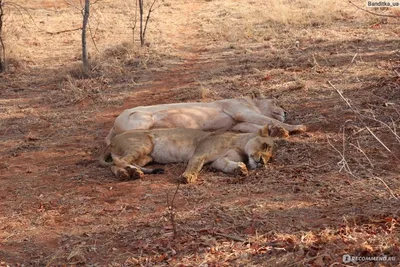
[[369, 130], [64, 31], [143, 28], [232, 237], [134, 21], [343, 161], [147, 19], [358, 147], [363, 116], [373, 13], [171, 212]]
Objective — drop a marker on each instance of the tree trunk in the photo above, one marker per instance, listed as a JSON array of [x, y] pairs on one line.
[[141, 22], [2, 47], [85, 59]]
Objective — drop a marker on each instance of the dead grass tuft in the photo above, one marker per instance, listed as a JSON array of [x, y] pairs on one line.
[[119, 51], [75, 90]]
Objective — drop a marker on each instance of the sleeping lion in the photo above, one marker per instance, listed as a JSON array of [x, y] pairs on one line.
[[247, 115], [227, 152]]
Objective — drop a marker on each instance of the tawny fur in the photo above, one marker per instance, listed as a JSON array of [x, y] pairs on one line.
[[228, 152], [243, 115]]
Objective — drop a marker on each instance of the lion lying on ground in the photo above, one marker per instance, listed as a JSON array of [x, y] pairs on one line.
[[228, 152], [243, 115]]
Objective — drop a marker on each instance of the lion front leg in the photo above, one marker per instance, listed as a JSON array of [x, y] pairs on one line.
[[227, 166], [258, 119], [232, 162], [246, 127], [192, 170]]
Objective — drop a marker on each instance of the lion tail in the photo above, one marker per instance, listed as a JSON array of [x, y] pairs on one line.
[[106, 153], [154, 171]]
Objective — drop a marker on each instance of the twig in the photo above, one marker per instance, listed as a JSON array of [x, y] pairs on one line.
[[379, 179], [344, 141], [147, 18], [387, 126], [73, 5], [348, 66], [341, 95], [19, 8], [373, 13], [234, 238], [343, 161], [358, 147], [369, 130], [134, 21], [64, 31], [92, 36], [171, 211], [363, 116], [385, 184]]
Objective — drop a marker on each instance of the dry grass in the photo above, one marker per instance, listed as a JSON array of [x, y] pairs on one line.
[[315, 202], [256, 21]]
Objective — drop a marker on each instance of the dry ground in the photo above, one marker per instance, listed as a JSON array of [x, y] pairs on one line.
[[331, 191]]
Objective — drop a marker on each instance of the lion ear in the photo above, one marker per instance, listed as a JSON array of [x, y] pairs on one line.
[[264, 131], [256, 94]]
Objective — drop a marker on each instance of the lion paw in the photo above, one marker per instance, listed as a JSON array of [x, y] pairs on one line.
[[278, 131], [242, 169], [134, 173], [299, 128], [122, 175], [188, 178]]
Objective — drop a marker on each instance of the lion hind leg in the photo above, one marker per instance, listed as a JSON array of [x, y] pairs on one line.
[[120, 173], [143, 161], [133, 170]]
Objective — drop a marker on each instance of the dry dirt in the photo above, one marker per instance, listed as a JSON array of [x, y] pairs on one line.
[[331, 191]]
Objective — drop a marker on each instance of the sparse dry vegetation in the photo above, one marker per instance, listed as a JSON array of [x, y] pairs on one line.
[[331, 191]]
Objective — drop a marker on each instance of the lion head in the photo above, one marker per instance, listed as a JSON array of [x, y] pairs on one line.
[[259, 149], [268, 107]]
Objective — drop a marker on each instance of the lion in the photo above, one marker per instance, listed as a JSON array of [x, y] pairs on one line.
[[246, 115], [229, 152]]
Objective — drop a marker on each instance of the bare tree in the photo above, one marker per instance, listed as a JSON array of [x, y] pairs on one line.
[[85, 59], [143, 24], [2, 47]]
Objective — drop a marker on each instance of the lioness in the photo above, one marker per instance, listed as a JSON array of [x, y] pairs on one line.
[[228, 152], [243, 115]]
